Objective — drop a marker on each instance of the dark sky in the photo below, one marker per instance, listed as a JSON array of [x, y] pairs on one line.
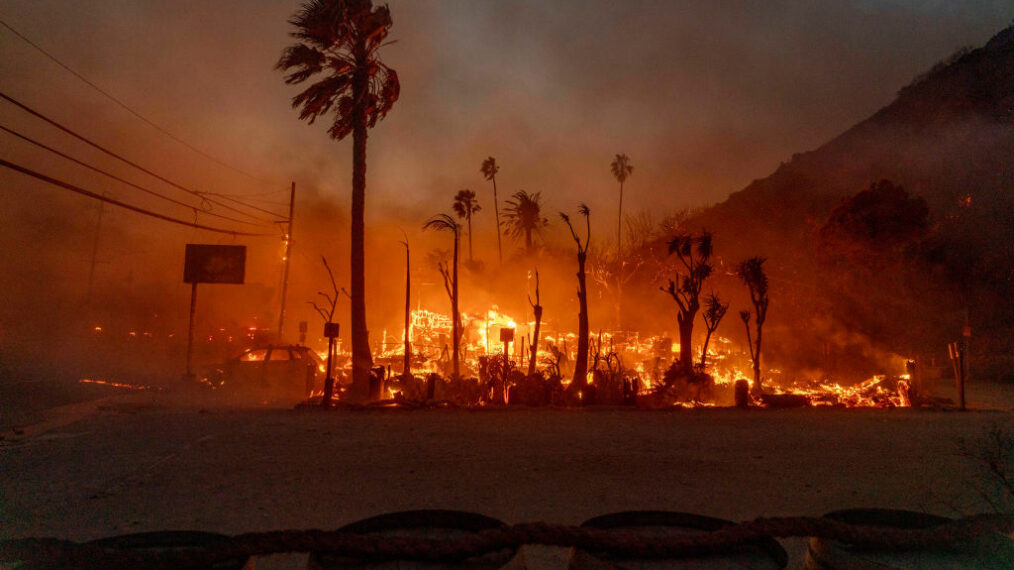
[[704, 96]]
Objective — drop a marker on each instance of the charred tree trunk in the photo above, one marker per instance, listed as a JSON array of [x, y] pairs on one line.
[[704, 349], [537, 309], [581, 360], [407, 365], [362, 360], [685, 321], [328, 378]]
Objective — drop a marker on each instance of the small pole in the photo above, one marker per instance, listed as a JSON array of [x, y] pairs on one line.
[[288, 258], [190, 333]]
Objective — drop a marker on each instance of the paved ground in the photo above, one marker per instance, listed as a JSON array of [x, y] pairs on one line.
[[149, 463]]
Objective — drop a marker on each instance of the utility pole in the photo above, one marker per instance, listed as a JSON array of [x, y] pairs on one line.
[[288, 257], [189, 377], [95, 252]]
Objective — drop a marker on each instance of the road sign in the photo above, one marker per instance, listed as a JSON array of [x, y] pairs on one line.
[[214, 263]]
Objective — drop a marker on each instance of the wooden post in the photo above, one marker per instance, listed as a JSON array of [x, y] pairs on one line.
[[190, 332]]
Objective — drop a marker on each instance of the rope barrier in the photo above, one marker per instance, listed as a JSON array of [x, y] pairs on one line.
[[628, 543]]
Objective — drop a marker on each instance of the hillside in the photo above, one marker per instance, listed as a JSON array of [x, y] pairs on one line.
[[948, 139]]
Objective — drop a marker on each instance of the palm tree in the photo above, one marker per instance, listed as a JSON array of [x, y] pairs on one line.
[[465, 205], [338, 44], [621, 168], [581, 361], [523, 218], [443, 222], [489, 169]]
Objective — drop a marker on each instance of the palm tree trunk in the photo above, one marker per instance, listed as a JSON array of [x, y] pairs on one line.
[[407, 365], [469, 236], [456, 319], [496, 210], [581, 361], [619, 225], [362, 360]]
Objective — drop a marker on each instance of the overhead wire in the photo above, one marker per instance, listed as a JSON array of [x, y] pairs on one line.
[[127, 107], [97, 196], [124, 181], [84, 139], [231, 199]]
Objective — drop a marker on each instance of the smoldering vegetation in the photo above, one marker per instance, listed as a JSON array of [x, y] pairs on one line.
[[877, 245]]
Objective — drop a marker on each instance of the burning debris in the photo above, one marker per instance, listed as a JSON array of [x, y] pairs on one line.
[[498, 368]]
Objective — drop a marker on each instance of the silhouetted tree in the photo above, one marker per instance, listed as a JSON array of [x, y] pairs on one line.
[[523, 218], [714, 311], [489, 169], [338, 44], [581, 362], [694, 254], [465, 205], [621, 169], [443, 222], [537, 311], [751, 272]]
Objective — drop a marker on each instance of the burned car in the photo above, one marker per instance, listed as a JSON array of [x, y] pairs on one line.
[[271, 372]]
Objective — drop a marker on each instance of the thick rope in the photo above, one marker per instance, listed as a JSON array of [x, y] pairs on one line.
[[621, 543]]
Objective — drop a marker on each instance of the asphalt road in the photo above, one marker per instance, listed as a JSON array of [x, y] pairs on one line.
[[148, 463]]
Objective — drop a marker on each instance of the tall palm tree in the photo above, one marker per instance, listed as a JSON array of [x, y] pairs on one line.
[[523, 218], [465, 205], [338, 45], [622, 169], [489, 169], [443, 222]]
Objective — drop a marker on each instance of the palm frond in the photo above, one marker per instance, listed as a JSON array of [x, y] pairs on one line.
[[489, 168], [306, 59], [442, 222], [621, 168], [317, 99], [340, 37]]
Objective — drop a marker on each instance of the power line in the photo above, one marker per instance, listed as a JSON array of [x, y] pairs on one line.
[[118, 179], [127, 107], [117, 156], [231, 199], [115, 202]]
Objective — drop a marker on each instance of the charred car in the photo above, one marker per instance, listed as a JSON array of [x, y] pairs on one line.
[[271, 372]]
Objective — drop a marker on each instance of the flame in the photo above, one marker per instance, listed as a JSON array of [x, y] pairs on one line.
[[119, 384]]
